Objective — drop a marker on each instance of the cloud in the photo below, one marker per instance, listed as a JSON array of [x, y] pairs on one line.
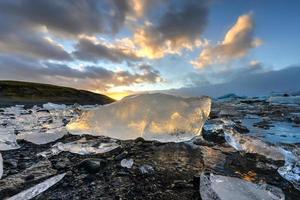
[[238, 41], [88, 50], [68, 16], [180, 27], [89, 77], [18, 39]]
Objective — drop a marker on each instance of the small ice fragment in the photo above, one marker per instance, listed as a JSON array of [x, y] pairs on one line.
[[8, 139], [1, 166], [81, 147], [291, 169], [53, 106], [37, 189], [127, 163], [146, 169], [160, 117], [229, 188]]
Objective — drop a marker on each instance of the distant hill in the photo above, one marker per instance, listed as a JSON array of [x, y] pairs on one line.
[[26, 93]]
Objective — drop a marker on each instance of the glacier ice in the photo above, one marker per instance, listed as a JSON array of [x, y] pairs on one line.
[[36, 125], [217, 187], [53, 106], [291, 169], [161, 117], [252, 145], [127, 163], [37, 189], [8, 139], [81, 147]]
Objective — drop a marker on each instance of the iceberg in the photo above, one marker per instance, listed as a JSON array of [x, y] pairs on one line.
[[81, 147], [37, 189], [217, 187], [160, 117]]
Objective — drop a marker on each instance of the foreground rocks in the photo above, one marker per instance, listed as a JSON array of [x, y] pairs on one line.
[[153, 170]]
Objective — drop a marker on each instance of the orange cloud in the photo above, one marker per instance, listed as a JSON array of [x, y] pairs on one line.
[[238, 41]]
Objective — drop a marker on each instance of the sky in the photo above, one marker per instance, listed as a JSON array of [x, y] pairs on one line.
[[120, 47]]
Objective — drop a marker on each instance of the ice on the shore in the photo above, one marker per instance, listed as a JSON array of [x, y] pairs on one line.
[[127, 163], [36, 125], [37, 189], [81, 147], [252, 145], [40, 137], [291, 169], [53, 106], [217, 187], [8, 139], [161, 117]]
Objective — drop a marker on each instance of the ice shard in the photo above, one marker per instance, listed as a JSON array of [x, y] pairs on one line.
[[81, 147], [160, 117], [217, 187], [37, 189], [291, 169], [252, 145], [8, 139]]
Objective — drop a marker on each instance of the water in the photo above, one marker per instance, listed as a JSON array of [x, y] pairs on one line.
[[279, 132]]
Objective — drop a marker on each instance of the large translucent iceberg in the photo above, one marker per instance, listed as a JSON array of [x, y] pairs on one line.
[[161, 117]]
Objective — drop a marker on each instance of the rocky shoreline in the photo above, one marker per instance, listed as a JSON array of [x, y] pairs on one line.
[[139, 169]]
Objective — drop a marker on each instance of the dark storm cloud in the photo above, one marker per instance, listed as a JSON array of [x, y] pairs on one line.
[[87, 50], [89, 77], [26, 24], [188, 21], [69, 16], [17, 38]]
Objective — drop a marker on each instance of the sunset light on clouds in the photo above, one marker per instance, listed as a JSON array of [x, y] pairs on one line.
[[120, 47]]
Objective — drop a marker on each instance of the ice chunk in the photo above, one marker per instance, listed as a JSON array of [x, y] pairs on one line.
[[127, 163], [1, 166], [82, 147], [252, 145], [216, 187], [8, 139], [53, 106], [37, 189], [146, 169], [38, 137], [291, 169], [161, 117]]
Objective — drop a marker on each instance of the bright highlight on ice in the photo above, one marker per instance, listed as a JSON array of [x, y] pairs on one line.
[[160, 117]]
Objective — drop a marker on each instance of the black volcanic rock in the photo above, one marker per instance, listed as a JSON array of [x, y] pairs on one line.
[[26, 93]]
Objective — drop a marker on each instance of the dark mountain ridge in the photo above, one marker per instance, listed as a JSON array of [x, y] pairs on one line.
[[27, 93]]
